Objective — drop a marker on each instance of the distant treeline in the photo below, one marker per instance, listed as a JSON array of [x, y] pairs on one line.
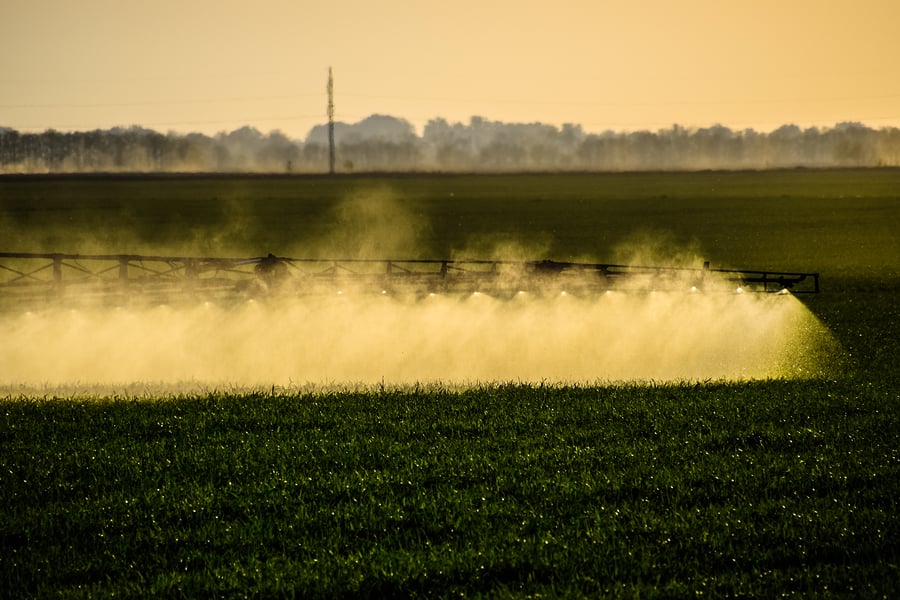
[[383, 143]]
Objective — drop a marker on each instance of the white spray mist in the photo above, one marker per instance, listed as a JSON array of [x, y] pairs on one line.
[[370, 338], [327, 339]]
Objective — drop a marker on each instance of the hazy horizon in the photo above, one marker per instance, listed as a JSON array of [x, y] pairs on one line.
[[419, 132], [210, 67]]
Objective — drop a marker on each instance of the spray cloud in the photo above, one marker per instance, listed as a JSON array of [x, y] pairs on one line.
[[351, 337], [365, 338]]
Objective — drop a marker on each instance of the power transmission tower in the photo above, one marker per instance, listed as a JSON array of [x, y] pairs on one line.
[[330, 122]]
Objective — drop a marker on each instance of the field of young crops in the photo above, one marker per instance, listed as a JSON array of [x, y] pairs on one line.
[[758, 488], [837, 222]]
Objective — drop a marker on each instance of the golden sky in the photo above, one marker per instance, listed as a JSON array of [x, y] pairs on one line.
[[214, 65]]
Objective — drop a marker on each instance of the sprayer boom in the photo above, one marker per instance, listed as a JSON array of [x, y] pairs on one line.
[[30, 275]]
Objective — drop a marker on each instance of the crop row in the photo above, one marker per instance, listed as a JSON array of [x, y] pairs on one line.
[[748, 489]]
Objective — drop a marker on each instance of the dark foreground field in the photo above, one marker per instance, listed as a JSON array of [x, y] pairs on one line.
[[719, 489], [755, 489]]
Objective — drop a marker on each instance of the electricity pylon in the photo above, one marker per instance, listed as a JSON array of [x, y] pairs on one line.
[[330, 122]]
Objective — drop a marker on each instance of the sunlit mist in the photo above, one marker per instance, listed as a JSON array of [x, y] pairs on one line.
[[530, 328], [372, 338]]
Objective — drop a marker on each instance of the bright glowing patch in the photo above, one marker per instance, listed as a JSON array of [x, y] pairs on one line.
[[611, 337]]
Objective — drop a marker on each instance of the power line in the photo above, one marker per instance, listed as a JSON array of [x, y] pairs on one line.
[[159, 102], [450, 99], [180, 123], [606, 103]]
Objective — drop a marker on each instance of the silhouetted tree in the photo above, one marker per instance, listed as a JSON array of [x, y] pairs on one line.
[[383, 143]]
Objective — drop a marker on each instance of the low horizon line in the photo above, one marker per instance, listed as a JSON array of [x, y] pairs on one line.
[[537, 123]]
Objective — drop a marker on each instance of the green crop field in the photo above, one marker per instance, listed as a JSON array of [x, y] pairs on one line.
[[837, 222], [760, 488]]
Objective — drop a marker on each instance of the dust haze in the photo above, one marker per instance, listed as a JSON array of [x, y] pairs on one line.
[[369, 224], [351, 337]]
